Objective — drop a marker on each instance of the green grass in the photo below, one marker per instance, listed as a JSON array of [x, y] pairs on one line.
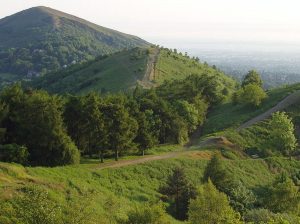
[[117, 72], [176, 66], [163, 149], [230, 115], [123, 187], [122, 71]]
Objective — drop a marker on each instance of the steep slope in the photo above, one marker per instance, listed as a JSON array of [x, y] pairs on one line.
[[41, 39], [147, 67], [110, 193], [113, 73]]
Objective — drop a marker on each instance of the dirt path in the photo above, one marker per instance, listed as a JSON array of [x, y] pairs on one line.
[[144, 159], [288, 101], [146, 82]]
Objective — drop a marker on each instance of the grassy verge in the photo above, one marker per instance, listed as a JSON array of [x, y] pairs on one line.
[[231, 115]]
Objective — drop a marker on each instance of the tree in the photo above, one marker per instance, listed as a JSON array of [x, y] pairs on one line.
[[189, 113], [3, 114], [251, 94], [241, 198], [122, 127], [75, 120], [283, 195], [95, 130], [85, 123], [179, 192], [211, 206], [147, 134], [14, 153], [252, 77], [265, 216], [281, 133], [35, 121], [216, 172], [172, 127]]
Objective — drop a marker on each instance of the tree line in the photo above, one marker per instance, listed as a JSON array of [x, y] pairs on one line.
[[43, 129]]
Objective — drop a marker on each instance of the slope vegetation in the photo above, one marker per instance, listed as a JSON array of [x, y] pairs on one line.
[[112, 192], [228, 114], [116, 72], [147, 67]]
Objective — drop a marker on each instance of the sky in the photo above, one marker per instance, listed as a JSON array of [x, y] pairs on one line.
[[184, 22]]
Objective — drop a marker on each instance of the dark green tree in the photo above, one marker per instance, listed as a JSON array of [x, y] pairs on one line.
[[121, 126], [35, 121], [216, 172], [179, 191], [85, 123], [95, 130], [147, 134]]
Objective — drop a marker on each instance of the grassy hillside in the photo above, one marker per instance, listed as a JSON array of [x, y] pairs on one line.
[[114, 191], [171, 65], [148, 67], [229, 114], [41, 39], [116, 72]]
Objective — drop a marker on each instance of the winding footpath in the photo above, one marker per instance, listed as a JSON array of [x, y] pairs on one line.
[[286, 102], [144, 159]]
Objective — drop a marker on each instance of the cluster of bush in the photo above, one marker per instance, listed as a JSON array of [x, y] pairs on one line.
[[222, 198]]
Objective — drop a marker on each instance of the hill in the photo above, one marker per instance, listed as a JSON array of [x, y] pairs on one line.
[[147, 67], [40, 39], [133, 186]]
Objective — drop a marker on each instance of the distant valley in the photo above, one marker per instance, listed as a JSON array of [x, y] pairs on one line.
[[278, 64]]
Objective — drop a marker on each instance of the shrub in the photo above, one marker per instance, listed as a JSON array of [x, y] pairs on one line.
[[146, 214], [281, 137], [14, 153], [32, 206], [251, 94]]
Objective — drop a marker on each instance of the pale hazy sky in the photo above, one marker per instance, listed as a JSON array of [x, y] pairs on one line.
[[172, 22]]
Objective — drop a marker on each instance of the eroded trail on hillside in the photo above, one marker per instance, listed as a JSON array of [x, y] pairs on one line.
[[149, 76]]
